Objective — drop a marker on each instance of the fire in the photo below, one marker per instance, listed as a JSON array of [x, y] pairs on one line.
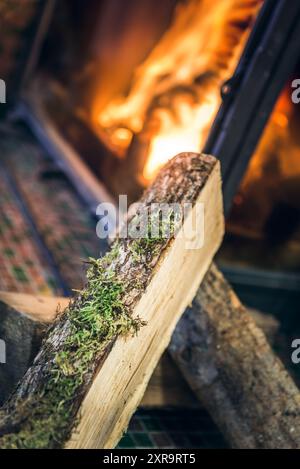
[[187, 135], [176, 92]]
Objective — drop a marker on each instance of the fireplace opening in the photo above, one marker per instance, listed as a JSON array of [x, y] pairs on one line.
[[141, 83]]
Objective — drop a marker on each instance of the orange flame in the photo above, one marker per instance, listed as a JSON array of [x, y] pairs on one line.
[[186, 135], [194, 56]]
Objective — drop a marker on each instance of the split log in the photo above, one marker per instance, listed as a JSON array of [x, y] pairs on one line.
[[97, 358], [228, 363]]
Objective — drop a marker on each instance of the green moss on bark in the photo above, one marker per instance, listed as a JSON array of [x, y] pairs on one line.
[[92, 323]]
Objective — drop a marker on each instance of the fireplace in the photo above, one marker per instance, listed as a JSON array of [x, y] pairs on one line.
[[122, 89], [105, 94]]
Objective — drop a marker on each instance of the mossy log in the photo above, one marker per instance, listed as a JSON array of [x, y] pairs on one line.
[[24, 320], [230, 366], [97, 358]]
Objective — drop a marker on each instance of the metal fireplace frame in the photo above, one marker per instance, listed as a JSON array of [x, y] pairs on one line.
[[268, 60]]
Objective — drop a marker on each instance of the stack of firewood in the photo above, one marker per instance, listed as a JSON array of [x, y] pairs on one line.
[[99, 353]]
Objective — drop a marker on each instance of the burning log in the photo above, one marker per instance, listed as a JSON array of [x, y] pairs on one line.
[[71, 379], [228, 363]]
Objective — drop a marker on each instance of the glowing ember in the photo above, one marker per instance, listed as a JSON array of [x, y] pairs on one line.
[[176, 92], [121, 137]]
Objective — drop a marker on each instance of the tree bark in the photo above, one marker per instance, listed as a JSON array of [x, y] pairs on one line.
[[230, 366]]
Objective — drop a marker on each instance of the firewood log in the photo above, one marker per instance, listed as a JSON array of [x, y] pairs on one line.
[[24, 320], [230, 366], [21, 337], [97, 358]]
